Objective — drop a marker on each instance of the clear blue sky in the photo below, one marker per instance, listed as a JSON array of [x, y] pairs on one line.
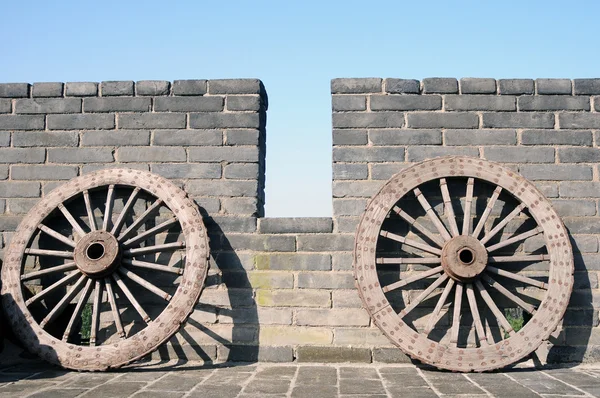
[[296, 49]]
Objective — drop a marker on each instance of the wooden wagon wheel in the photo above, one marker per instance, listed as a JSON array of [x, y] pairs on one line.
[[418, 254], [98, 239]]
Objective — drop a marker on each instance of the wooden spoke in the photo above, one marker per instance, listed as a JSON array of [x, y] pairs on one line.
[[130, 297], [71, 220], [494, 308], [50, 253], [486, 212], [518, 258], [441, 279], [409, 242], [516, 277], [431, 214], [68, 278], [527, 307], [96, 312], [475, 313], [90, 213], [502, 223], [78, 309], [151, 232], [153, 249], [140, 220], [121, 219], [59, 268], [418, 226], [144, 283], [108, 207], [435, 315], [466, 228], [515, 239], [60, 307], [114, 308], [418, 277], [152, 266], [458, 293], [406, 260], [57, 236], [448, 207]]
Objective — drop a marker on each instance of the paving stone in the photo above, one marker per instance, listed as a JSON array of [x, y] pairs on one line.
[[316, 375], [176, 382], [158, 394], [413, 392], [500, 385], [449, 383], [90, 380], [216, 391], [268, 386], [22, 389], [277, 372], [402, 377], [579, 379], [59, 393], [358, 373], [359, 386], [115, 390], [142, 376], [315, 391], [542, 384]]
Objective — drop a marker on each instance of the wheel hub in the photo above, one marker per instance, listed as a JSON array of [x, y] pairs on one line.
[[464, 258], [97, 254]]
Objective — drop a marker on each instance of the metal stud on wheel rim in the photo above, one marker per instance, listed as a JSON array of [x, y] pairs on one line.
[[453, 227], [76, 252]]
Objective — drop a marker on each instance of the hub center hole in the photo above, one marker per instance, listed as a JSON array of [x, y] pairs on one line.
[[95, 251], [466, 256]]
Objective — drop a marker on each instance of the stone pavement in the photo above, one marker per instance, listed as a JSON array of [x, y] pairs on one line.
[[170, 380]]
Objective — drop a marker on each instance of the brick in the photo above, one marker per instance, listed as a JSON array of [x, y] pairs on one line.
[[325, 243], [241, 353], [19, 189], [216, 120], [574, 207], [2, 208], [385, 171], [21, 206], [579, 120], [349, 137], [515, 86], [152, 154], [116, 138], [550, 190], [440, 85], [208, 205], [365, 189], [332, 317], [333, 354], [48, 105], [5, 106], [152, 87], [234, 86], [349, 207], [470, 85], [81, 122], [579, 189], [29, 155], [196, 104], [243, 103], [222, 188], [152, 121], [405, 102], [518, 120], [4, 138], [124, 104], [418, 153], [47, 90], [295, 225], [443, 120], [362, 336], [368, 120], [293, 262], [556, 172], [553, 103], [405, 137], [291, 298], [350, 171], [241, 171], [115, 88], [346, 298], [263, 316], [189, 87], [9, 223], [579, 155], [585, 86], [3, 172], [242, 137], [479, 103], [14, 90], [219, 154], [368, 154], [553, 86], [325, 280], [480, 137], [286, 335], [81, 89], [80, 155], [243, 206], [45, 139], [390, 355], [258, 280], [352, 86], [520, 154], [188, 137], [21, 122], [556, 137], [349, 103], [402, 86], [45, 172]]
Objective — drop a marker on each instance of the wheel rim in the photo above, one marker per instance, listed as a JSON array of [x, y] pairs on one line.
[[448, 255], [84, 249]]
